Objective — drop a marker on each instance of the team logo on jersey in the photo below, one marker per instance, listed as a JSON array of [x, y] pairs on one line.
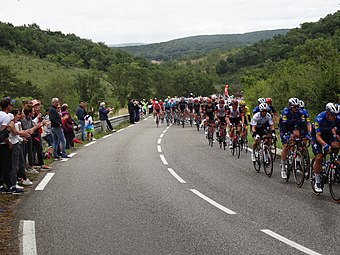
[[316, 125]]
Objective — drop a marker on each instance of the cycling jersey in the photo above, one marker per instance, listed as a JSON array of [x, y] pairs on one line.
[[257, 109], [291, 121], [260, 121], [234, 115], [246, 112], [197, 108], [167, 106], [209, 111], [190, 106], [182, 105], [324, 127], [221, 111]]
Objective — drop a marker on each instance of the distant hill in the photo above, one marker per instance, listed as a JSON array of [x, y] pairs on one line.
[[118, 45], [198, 45]]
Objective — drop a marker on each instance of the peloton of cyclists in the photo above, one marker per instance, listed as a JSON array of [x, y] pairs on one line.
[[221, 115], [261, 124], [325, 136]]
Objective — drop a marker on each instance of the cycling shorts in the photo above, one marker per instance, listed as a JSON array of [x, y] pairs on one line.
[[210, 117], [261, 131], [235, 121], [157, 110], [222, 120], [316, 147]]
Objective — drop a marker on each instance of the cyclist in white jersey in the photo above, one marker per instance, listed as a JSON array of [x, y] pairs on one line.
[[261, 124], [235, 117]]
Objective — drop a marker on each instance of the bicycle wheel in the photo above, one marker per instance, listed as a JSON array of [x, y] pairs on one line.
[[289, 165], [298, 167], [334, 181], [198, 124], [306, 160], [238, 148], [257, 162], [274, 149], [267, 161], [233, 148], [157, 120]]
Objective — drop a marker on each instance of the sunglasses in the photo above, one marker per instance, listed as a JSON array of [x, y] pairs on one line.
[[295, 106]]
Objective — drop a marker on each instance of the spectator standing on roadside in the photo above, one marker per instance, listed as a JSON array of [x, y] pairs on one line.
[[89, 125], [103, 117], [27, 124], [131, 111], [137, 111], [6, 150], [57, 131], [67, 126], [47, 129], [80, 115]]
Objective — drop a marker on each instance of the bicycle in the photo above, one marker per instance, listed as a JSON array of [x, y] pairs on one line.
[[157, 119], [264, 156], [330, 175], [210, 135], [236, 143], [222, 135], [168, 117], [244, 141], [295, 161], [198, 121]]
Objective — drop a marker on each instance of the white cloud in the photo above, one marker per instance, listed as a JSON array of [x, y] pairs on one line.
[[118, 21]]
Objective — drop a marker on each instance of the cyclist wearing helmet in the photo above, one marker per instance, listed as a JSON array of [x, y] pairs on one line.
[[325, 137], [221, 114], [290, 123], [272, 110], [196, 108], [235, 117], [209, 112], [306, 128], [246, 112], [261, 100], [182, 107], [261, 124]]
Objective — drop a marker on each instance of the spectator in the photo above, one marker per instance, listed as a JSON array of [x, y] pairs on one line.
[[36, 138], [57, 131], [89, 125], [27, 124], [47, 129], [4, 134], [103, 117], [137, 111], [6, 150], [67, 125], [131, 111], [80, 115]]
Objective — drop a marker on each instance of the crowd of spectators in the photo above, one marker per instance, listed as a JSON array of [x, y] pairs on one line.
[[137, 109], [27, 137]]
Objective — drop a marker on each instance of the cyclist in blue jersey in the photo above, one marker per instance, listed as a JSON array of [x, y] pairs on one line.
[[306, 128], [325, 135], [291, 121], [167, 109]]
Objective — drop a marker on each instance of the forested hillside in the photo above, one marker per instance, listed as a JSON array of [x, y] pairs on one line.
[[195, 46]]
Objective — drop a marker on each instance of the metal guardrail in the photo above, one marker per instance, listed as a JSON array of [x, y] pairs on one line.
[[97, 124]]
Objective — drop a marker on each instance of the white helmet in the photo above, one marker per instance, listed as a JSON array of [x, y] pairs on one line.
[[263, 106], [293, 101], [261, 100], [332, 108], [301, 104]]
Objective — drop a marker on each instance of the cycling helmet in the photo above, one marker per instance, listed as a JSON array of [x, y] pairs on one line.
[[261, 100], [209, 101], [156, 102], [242, 103], [196, 100], [221, 101], [293, 101], [235, 102], [269, 100], [332, 108], [263, 106], [301, 104]]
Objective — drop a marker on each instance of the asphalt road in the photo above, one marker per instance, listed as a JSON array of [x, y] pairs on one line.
[[145, 190]]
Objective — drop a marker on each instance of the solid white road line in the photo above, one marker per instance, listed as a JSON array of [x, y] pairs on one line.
[[161, 135], [28, 242], [163, 159], [44, 181], [106, 136], [120, 130], [221, 207], [72, 154], [159, 148], [90, 143], [64, 159], [159, 141], [131, 125], [289, 242], [176, 175]]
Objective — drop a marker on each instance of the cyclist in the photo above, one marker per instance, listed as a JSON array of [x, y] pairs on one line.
[[209, 112], [272, 110], [197, 109], [306, 128], [182, 107], [292, 118], [261, 123], [167, 109], [156, 109], [246, 112], [324, 137], [235, 117], [261, 100], [190, 106], [221, 115]]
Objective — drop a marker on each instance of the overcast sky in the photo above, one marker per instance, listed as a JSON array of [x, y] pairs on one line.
[[151, 21]]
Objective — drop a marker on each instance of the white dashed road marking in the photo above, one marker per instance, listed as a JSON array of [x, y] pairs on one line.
[[176, 175], [72, 154], [289, 242], [120, 130], [106, 136], [90, 143], [28, 242], [159, 141], [163, 159], [221, 207], [161, 135], [159, 148], [44, 181]]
